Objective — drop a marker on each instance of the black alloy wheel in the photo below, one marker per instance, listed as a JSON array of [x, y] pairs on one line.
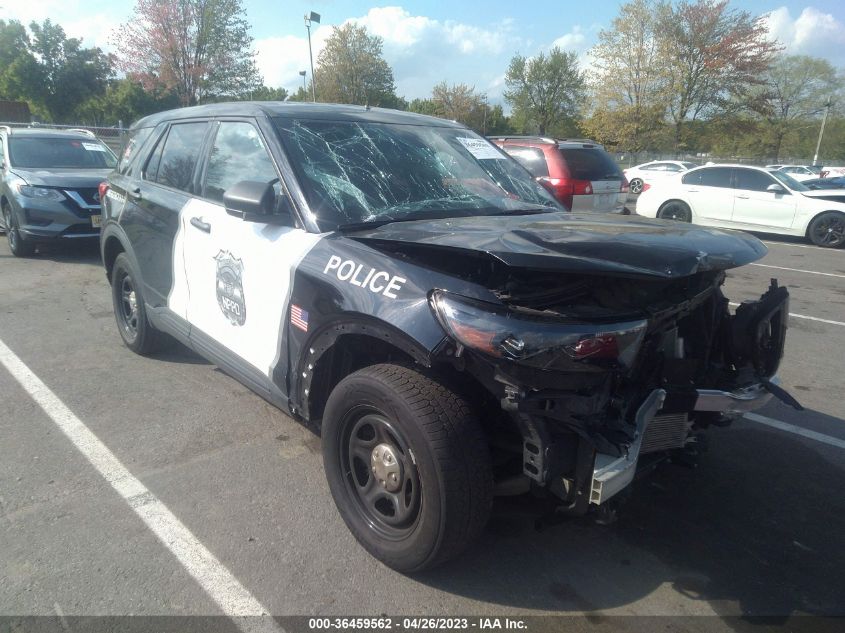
[[17, 244], [675, 210], [827, 230], [636, 186], [136, 331]]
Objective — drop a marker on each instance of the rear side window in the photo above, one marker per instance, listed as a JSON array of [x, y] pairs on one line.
[[590, 164], [238, 154], [533, 159], [709, 177], [179, 156], [134, 140], [752, 180]]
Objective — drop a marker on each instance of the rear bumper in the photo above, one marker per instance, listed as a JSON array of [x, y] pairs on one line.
[[612, 474]]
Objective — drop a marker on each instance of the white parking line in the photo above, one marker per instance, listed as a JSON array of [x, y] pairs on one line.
[[217, 581], [800, 270], [817, 248], [803, 316], [797, 430]]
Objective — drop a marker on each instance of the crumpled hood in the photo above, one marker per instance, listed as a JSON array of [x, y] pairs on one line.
[[64, 178], [584, 243]]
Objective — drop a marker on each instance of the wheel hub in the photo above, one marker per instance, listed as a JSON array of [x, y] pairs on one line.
[[133, 302], [386, 468]]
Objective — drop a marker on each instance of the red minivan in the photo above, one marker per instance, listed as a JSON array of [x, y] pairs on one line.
[[578, 172]]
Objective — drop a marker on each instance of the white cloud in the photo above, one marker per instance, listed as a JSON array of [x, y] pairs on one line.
[[422, 51], [94, 29], [811, 33], [575, 40]]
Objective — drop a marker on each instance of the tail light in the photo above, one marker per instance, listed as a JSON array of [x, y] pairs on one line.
[[103, 189], [646, 186], [625, 185], [564, 188]]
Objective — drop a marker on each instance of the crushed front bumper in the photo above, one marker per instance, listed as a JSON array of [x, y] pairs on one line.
[[611, 474]]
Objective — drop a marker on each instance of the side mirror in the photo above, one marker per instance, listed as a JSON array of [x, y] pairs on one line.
[[254, 201], [775, 188]]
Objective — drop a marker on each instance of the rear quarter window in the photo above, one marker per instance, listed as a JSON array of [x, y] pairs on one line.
[[590, 163], [533, 159]]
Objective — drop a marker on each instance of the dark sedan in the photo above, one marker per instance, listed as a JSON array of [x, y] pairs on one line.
[[837, 182]]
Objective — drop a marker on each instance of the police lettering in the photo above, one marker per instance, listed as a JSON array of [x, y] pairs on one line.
[[376, 281]]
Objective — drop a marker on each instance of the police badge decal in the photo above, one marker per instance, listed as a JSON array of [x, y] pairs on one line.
[[230, 290]]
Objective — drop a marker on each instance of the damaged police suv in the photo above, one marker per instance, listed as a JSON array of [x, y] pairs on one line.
[[402, 285]]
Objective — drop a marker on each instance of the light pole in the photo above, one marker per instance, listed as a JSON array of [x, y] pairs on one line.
[[309, 18], [821, 131], [304, 88]]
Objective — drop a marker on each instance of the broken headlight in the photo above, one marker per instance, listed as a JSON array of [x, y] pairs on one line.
[[541, 342]]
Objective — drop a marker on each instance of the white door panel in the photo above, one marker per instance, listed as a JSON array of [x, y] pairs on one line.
[[239, 279]]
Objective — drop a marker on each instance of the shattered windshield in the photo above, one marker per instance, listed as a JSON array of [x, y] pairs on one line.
[[356, 172]]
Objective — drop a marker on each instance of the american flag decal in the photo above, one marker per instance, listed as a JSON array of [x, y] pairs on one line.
[[299, 317]]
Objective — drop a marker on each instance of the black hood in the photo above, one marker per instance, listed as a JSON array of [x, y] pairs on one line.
[[584, 243], [63, 178]]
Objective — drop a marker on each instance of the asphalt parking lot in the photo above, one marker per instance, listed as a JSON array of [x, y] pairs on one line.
[[757, 528]]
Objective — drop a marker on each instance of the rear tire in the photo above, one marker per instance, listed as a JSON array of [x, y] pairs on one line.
[[130, 311], [408, 466], [636, 186], [675, 210], [19, 246], [827, 229]]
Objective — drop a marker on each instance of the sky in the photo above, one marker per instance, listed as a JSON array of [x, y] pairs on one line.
[[428, 41]]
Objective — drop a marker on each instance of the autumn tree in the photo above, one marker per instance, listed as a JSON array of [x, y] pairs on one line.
[[545, 89], [793, 94], [461, 103], [712, 57], [352, 69], [628, 85], [200, 49]]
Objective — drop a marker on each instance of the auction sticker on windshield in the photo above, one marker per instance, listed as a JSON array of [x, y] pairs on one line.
[[480, 148], [94, 147]]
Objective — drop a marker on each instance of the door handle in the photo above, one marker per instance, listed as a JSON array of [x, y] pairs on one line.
[[693, 190], [743, 197], [135, 193], [203, 226]]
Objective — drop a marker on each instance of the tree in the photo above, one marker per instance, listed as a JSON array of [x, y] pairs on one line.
[[201, 49], [544, 90], [460, 103], [794, 93], [351, 69], [125, 100], [712, 57], [20, 75], [69, 72], [628, 85]]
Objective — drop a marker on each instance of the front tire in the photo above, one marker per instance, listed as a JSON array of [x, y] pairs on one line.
[[19, 246], [636, 186], [675, 210], [130, 312], [827, 230], [407, 464]]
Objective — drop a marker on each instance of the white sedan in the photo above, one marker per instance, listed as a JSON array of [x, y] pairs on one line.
[[748, 198], [655, 170], [799, 172]]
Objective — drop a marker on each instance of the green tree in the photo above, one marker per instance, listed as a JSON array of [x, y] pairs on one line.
[[69, 72], [20, 74], [793, 95], [125, 100], [201, 49], [712, 56], [460, 102], [545, 91], [628, 85], [352, 69]]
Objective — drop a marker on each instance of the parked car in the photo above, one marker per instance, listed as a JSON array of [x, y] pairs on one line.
[[834, 182], [48, 189], [800, 172], [402, 285], [579, 173], [654, 170], [750, 198]]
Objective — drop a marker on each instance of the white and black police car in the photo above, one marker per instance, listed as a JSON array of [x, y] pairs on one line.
[[399, 284]]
